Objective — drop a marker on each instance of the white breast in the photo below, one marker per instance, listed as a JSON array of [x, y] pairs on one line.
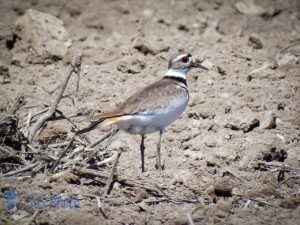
[[152, 121]]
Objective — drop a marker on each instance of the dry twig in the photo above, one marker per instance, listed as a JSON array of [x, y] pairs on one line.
[[234, 175], [18, 104], [62, 155], [278, 164], [122, 181], [99, 140], [100, 207], [264, 202], [164, 194], [26, 168], [32, 218], [99, 204], [273, 63], [110, 181], [190, 218], [75, 68]]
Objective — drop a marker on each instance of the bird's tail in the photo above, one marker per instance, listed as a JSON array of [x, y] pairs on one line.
[[104, 121], [92, 126]]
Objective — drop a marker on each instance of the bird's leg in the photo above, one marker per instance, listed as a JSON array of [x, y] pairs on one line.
[[142, 148], [158, 158]]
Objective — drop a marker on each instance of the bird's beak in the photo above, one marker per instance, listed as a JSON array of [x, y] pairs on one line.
[[198, 65]]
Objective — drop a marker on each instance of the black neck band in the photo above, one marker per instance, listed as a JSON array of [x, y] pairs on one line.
[[180, 79]]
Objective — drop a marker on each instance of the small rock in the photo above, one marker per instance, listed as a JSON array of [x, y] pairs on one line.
[[4, 80], [118, 201], [209, 82], [212, 161], [255, 42], [183, 27], [133, 67], [210, 141], [267, 120], [19, 214], [235, 191], [223, 188], [65, 176], [182, 177], [180, 220], [45, 33], [290, 203], [4, 70], [249, 8], [144, 47], [31, 82], [293, 157], [207, 64], [52, 131], [177, 180], [148, 12], [227, 137], [209, 190], [221, 214], [221, 71], [45, 185], [76, 8], [296, 121], [204, 115], [19, 59], [249, 124], [141, 194]]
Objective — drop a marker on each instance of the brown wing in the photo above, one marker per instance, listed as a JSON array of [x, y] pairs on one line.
[[155, 96]]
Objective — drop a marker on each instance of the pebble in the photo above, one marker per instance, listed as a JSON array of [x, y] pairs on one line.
[[144, 47], [249, 8], [207, 64], [209, 190], [210, 142], [4, 70], [255, 42], [134, 67], [223, 187], [141, 194], [65, 176], [267, 120], [296, 121], [224, 205], [212, 161], [290, 203]]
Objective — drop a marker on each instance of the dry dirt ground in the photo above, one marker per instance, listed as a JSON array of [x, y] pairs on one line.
[[224, 157]]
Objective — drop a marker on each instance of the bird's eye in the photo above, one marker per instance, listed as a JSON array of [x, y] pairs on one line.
[[185, 59]]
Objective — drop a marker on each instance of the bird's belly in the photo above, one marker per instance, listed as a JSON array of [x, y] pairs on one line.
[[152, 121]]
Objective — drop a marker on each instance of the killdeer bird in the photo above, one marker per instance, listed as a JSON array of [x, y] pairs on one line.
[[154, 107]]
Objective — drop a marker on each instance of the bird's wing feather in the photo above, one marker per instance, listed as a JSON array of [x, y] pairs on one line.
[[155, 96]]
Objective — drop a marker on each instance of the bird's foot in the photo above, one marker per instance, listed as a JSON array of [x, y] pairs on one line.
[[159, 167]]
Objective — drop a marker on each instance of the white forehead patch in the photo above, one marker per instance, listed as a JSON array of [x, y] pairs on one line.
[[179, 57]]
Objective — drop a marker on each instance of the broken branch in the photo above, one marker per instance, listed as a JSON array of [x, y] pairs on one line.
[[74, 68]]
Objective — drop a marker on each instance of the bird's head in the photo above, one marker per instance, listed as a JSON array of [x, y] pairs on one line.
[[181, 64]]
